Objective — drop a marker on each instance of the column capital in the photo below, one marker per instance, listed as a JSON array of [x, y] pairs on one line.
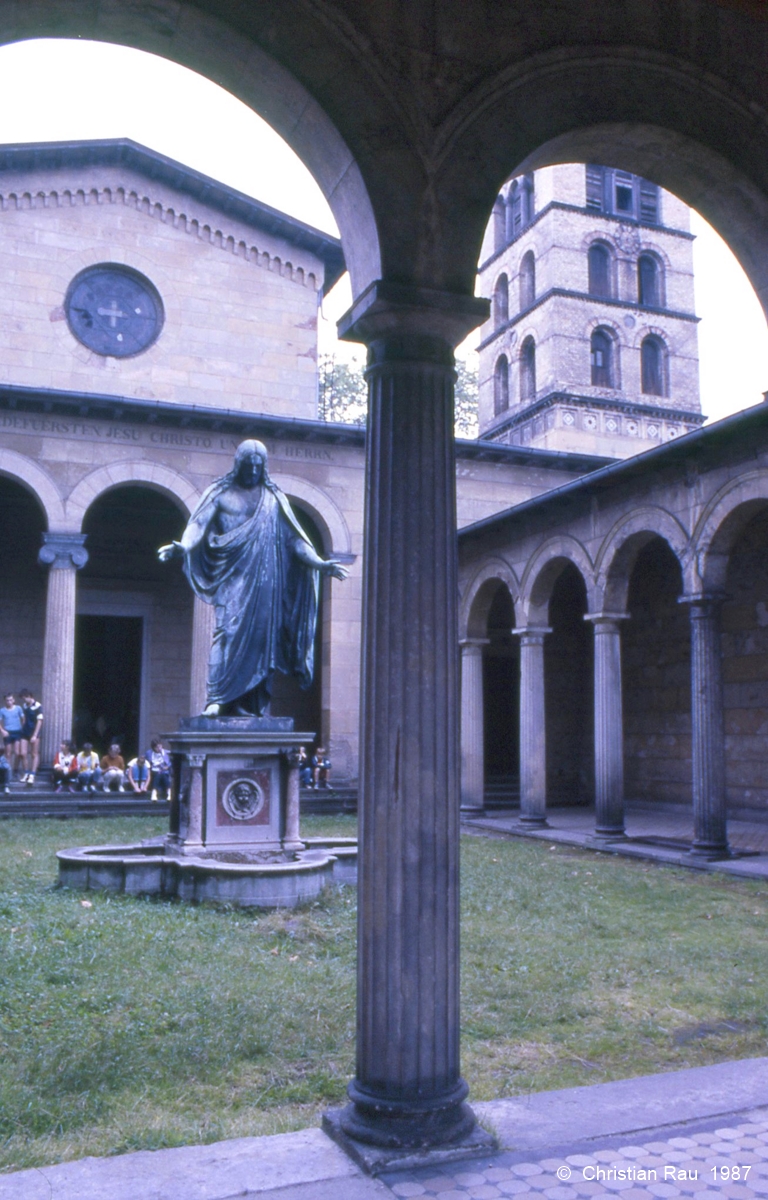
[[469, 644], [531, 634], [63, 550], [702, 604], [388, 310], [196, 760], [606, 618]]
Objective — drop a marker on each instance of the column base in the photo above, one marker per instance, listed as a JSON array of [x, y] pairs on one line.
[[709, 851], [533, 821], [607, 834], [411, 1142], [472, 810], [407, 1124]]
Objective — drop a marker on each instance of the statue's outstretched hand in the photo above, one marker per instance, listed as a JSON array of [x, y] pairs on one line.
[[333, 567], [166, 553]]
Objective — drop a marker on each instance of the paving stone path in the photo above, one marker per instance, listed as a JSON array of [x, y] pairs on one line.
[[708, 1162]]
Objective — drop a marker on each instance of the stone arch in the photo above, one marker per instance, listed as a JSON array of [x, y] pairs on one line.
[[153, 475], [620, 548], [34, 479], [476, 602], [324, 511], [542, 571], [229, 57], [720, 524]]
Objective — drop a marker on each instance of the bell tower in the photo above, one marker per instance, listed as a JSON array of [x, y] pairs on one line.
[[592, 341]]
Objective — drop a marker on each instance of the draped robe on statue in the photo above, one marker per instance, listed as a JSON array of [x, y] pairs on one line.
[[264, 595]]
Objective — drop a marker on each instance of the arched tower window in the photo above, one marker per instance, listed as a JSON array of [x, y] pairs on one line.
[[501, 302], [599, 264], [601, 359], [519, 206], [501, 386], [648, 281], [652, 366], [527, 280], [499, 224], [528, 370]]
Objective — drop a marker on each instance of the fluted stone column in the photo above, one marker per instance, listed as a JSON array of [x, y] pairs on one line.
[[63, 554], [203, 621], [408, 1091], [533, 740], [710, 837], [472, 726], [609, 726]]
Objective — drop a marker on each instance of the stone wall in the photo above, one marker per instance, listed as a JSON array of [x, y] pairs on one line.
[[252, 347]]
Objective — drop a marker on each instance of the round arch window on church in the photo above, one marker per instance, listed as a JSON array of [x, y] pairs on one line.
[[114, 310]]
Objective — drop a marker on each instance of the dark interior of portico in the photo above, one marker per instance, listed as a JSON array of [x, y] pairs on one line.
[[656, 677], [22, 590], [132, 663], [744, 624], [568, 682], [501, 696]]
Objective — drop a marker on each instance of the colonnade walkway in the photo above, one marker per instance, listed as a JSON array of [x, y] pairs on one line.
[[699, 1133], [663, 833]]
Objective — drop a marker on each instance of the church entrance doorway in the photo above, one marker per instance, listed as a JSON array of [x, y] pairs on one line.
[[108, 660]]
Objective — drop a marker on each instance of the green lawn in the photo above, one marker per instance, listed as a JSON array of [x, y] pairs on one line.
[[128, 1024]]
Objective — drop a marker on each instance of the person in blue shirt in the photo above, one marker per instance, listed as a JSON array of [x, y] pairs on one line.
[[12, 731], [137, 775]]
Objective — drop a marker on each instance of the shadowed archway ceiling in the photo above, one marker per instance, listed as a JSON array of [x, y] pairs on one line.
[[421, 108]]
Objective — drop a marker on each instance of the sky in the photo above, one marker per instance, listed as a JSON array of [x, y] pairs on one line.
[[208, 129]]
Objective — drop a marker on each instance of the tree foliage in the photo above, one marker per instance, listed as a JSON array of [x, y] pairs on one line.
[[343, 394]]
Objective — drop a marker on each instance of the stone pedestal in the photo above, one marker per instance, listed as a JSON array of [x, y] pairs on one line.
[[533, 737], [472, 727], [236, 787], [710, 836], [63, 554], [609, 727]]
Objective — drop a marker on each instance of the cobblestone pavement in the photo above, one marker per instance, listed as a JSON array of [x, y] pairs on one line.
[[710, 1161]]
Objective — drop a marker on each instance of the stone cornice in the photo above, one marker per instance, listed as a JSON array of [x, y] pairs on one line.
[[122, 153], [628, 408], [561, 206], [570, 294], [46, 405]]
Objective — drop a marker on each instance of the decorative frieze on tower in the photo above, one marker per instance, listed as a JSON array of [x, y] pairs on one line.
[[592, 341]]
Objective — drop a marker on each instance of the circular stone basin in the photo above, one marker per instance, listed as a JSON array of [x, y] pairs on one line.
[[146, 869]]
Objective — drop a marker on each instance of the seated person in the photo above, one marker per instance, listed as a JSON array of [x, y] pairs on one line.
[[137, 775], [305, 768], [160, 765], [5, 773], [11, 729], [65, 767], [321, 768], [30, 744], [88, 770], [113, 769]]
